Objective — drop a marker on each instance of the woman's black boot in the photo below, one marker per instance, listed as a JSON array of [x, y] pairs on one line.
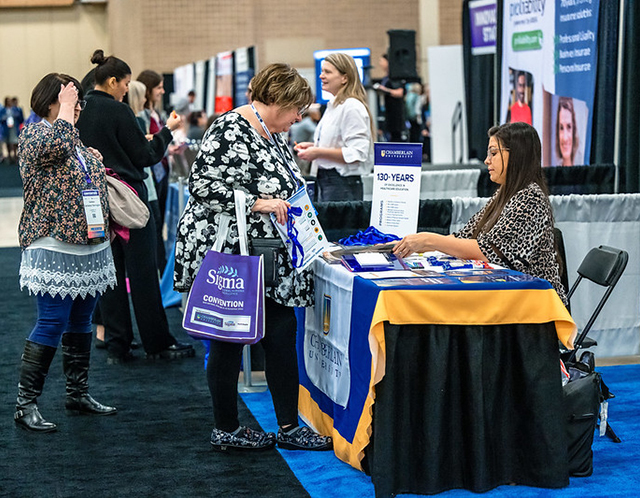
[[76, 352], [36, 360]]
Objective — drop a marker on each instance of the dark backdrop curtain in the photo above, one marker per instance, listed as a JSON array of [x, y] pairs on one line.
[[479, 89], [630, 129], [604, 103]]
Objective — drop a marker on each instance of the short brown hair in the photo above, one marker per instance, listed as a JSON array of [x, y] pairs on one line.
[[46, 92], [281, 85]]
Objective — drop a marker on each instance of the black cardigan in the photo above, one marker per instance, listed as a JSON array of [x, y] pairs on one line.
[[111, 127]]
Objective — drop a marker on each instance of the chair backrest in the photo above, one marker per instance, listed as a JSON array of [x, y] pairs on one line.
[[562, 260], [603, 265]]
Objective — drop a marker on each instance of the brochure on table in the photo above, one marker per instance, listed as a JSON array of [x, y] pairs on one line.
[[305, 230], [396, 187]]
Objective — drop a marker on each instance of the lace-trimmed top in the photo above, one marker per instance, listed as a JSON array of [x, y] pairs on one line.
[[49, 266]]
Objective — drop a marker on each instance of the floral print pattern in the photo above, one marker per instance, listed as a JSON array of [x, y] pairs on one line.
[[234, 155], [53, 180]]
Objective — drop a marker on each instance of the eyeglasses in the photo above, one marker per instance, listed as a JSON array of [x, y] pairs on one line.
[[492, 151], [302, 110], [82, 104]]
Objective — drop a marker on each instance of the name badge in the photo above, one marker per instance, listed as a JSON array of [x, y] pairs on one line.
[[93, 213]]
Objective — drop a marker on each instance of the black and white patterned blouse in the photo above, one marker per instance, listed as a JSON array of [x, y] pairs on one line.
[[234, 155], [522, 238]]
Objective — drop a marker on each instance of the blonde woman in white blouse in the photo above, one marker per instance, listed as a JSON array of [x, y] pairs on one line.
[[342, 150]]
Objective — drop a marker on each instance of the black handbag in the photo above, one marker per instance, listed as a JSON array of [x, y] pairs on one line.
[[269, 248]]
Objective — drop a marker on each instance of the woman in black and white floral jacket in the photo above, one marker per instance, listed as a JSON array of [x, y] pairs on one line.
[[243, 150]]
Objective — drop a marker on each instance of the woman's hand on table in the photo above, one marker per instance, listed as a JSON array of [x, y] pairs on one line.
[[417, 242], [278, 207]]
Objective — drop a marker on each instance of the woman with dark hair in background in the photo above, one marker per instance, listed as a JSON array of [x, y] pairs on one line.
[[515, 228], [342, 150], [111, 127], [154, 123], [64, 235]]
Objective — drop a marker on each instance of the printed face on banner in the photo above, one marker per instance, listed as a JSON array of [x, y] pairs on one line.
[[549, 55], [521, 97], [564, 145]]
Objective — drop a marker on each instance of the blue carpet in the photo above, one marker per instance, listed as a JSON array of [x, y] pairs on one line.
[[615, 465]]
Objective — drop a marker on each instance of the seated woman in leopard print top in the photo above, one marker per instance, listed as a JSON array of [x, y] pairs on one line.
[[515, 228]]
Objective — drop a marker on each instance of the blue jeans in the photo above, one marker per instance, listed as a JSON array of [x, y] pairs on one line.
[[57, 316]]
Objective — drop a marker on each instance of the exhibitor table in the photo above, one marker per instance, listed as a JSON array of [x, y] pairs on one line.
[[441, 383]]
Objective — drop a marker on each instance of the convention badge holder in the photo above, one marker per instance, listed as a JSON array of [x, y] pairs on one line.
[[93, 215], [302, 235]]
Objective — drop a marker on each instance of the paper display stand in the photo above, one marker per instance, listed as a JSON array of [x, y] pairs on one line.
[[396, 187]]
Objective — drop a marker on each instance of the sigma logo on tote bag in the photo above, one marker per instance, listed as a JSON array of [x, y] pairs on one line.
[[226, 301]]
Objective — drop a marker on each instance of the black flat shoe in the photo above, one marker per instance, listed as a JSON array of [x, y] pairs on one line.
[[119, 359], [100, 344], [174, 352]]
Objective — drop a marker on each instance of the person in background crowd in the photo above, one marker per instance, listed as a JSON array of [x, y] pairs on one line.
[[244, 150], [566, 132], [153, 124], [425, 111], [342, 150], [111, 127], [64, 236], [2, 112], [186, 105], [393, 93], [303, 132], [413, 111], [32, 118], [11, 119], [197, 125], [515, 228]]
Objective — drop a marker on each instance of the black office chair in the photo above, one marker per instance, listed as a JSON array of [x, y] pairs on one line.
[[603, 265], [562, 260]]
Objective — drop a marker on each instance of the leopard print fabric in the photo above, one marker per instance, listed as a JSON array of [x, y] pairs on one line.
[[523, 234]]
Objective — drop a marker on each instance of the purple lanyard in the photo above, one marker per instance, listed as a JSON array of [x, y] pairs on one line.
[[84, 165]]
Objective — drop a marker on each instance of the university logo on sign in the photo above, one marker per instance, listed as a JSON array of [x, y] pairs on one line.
[[326, 314]]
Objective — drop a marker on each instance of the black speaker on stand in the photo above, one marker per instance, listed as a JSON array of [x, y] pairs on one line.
[[402, 55]]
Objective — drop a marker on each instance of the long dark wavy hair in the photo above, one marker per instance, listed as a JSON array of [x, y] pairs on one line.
[[523, 168]]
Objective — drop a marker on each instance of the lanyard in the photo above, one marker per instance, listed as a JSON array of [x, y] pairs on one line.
[[83, 163], [273, 141]]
